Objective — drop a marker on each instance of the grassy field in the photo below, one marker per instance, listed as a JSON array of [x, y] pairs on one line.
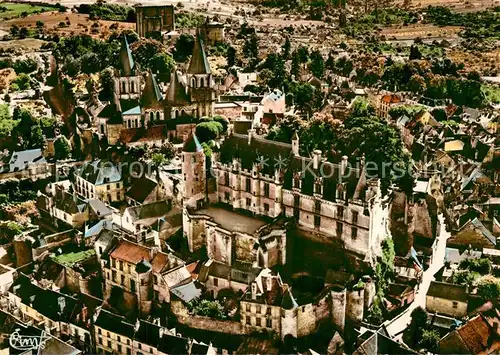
[[12, 10], [71, 259]]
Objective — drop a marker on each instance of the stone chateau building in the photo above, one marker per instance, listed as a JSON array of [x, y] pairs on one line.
[[237, 208]]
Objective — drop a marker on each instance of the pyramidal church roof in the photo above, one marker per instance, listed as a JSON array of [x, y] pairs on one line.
[[199, 62], [176, 93], [126, 60], [151, 95]]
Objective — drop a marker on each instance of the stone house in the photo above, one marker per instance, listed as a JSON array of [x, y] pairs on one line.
[[63, 206], [447, 299], [99, 180], [473, 234], [217, 276], [143, 275], [57, 313]]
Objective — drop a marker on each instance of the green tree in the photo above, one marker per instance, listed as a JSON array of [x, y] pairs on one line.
[[207, 131], [231, 56], [183, 47], [158, 159], [418, 324], [62, 148], [90, 63], [489, 288], [21, 82], [295, 70], [417, 84], [287, 47], [317, 64], [430, 340], [303, 54], [276, 74], [162, 63], [206, 308], [106, 81], [251, 46]]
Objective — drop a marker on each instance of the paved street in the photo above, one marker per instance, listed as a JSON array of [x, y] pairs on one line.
[[396, 326]]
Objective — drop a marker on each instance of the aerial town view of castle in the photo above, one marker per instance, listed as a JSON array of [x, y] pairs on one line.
[[219, 177]]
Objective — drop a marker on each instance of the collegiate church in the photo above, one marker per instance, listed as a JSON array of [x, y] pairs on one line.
[[139, 101]]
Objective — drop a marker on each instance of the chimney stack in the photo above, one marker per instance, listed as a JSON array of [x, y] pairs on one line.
[[316, 159], [295, 144], [254, 290], [343, 164]]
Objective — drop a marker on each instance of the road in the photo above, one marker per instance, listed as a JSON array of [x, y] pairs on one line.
[[396, 326]]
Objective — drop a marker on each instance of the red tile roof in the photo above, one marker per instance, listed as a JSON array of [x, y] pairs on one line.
[[130, 252]]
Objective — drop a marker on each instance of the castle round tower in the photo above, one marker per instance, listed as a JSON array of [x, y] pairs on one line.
[[193, 172]]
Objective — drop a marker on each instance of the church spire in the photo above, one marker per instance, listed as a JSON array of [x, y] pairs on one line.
[[126, 60], [176, 93], [151, 95], [199, 62]]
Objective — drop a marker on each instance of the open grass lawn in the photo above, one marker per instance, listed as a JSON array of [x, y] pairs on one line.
[[70, 259], [12, 10]]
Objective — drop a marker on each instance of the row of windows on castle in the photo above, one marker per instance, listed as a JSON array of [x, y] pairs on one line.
[[297, 185]]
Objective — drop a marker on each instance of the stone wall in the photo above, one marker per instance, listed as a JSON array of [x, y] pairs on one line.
[[198, 322]]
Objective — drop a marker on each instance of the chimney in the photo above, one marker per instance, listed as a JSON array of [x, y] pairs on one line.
[[85, 314], [254, 290], [295, 144], [251, 132], [316, 159], [343, 164]]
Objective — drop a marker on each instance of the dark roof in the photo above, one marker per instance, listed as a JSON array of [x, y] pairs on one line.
[[141, 189], [115, 323], [126, 62], [176, 93], [199, 62], [377, 343], [448, 291], [150, 210], [199, 349], [151, 95], [69, 202], [99, 172], [52, 304], [173, 345], [112, 113], [148, 333], [192, 144]]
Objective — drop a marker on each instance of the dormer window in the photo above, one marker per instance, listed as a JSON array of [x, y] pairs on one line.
[[318, 186], [341, 192], [297, 181]]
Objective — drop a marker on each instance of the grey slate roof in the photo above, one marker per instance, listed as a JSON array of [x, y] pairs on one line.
[[99, 172], [199, 62], [176, 92], [20, 160], [151, 95], [126, 61], [448, 291]]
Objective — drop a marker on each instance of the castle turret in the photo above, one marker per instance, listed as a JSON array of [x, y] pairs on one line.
[[193, 171]]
